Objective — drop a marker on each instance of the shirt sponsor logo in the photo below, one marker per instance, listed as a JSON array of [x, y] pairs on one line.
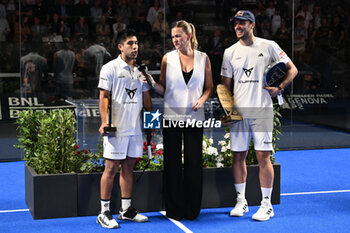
[[248, 81], [131, 93], [281, 54], [248, 72]]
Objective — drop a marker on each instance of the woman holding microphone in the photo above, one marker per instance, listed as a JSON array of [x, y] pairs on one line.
[[186, 83]]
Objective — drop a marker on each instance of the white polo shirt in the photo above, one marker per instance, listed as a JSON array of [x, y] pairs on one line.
[[246, 65], [127, 86], [179, 96]]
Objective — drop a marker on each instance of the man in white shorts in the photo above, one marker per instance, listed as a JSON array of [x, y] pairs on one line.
[[129, 95], [245, 63]]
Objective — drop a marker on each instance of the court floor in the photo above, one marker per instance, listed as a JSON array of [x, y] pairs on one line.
[[315, 197]]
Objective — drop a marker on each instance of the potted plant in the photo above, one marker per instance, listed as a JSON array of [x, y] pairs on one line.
[[52, 161]]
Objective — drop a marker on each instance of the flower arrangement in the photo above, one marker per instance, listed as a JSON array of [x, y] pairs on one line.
[[226, 153], [156, 163], [211, 156]]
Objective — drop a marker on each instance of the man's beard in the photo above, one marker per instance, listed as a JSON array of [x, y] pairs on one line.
[[244, 36]]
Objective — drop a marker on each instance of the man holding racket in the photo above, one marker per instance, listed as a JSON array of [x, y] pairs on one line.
[[245, 63], [121, 80]]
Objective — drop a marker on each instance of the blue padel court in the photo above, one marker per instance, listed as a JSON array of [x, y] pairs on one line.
[[315, 197]]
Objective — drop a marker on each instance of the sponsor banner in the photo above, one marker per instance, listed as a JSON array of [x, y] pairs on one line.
[[300, 101], [11, 106]]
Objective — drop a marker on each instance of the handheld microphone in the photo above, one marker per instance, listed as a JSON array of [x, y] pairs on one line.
[[144, 70]]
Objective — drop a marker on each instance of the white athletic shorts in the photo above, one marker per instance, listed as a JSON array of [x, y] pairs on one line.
[[260, 129], [117, 148]]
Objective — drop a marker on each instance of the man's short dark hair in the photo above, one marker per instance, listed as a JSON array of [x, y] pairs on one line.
[[124, 34]]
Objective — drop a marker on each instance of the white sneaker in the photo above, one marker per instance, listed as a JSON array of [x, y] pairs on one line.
[[106, 220], [264, 213], [241, 207], [132, 215]]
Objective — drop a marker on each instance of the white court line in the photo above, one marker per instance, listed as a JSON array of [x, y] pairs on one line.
[[9, 211], [319, 192], [177, 223], [187, 230]]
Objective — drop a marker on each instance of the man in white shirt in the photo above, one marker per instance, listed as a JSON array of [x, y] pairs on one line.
[[121, 80], [245, 63]]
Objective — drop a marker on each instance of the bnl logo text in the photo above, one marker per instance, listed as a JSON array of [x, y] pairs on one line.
[[151, 120]]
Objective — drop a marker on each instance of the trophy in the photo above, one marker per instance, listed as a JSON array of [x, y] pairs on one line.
[[110, 130], [227, 103]]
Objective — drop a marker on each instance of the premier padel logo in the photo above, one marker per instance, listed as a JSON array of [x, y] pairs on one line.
[[131, 93], [248, 72]]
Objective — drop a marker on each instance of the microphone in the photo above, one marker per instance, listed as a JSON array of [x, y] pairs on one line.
[[144, 70]]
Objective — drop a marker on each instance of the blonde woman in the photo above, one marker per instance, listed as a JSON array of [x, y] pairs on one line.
[[186, 83]]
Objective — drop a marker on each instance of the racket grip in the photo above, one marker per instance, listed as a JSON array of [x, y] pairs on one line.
[[149, 152], [149, 146], [280, 99]]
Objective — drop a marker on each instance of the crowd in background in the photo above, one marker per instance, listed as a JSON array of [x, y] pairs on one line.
[[321, 28]]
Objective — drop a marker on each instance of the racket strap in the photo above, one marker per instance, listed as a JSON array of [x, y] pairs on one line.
[[280, 99]]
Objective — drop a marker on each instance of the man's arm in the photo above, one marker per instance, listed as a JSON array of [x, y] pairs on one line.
[[103, 107], [147, 100], [147, 105], [292, 72], [227, 82]]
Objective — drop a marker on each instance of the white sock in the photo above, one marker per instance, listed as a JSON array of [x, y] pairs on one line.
[[126, 203], [104, 205], [266, 194], [240, 190]]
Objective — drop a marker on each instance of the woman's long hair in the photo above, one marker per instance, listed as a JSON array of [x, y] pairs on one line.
[[188, 28]]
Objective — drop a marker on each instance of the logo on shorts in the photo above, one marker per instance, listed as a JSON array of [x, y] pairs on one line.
[[151, 120], [267, 142], [131, 93]]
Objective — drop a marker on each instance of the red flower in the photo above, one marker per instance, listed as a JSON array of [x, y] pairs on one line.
[[85, 151], [158, 152], [76, 147], [138, 160]]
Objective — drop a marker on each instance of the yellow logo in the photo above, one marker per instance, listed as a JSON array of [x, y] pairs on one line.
[[239, 13]]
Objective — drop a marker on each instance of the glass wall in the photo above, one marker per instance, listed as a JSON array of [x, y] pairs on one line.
[[52, 51]]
